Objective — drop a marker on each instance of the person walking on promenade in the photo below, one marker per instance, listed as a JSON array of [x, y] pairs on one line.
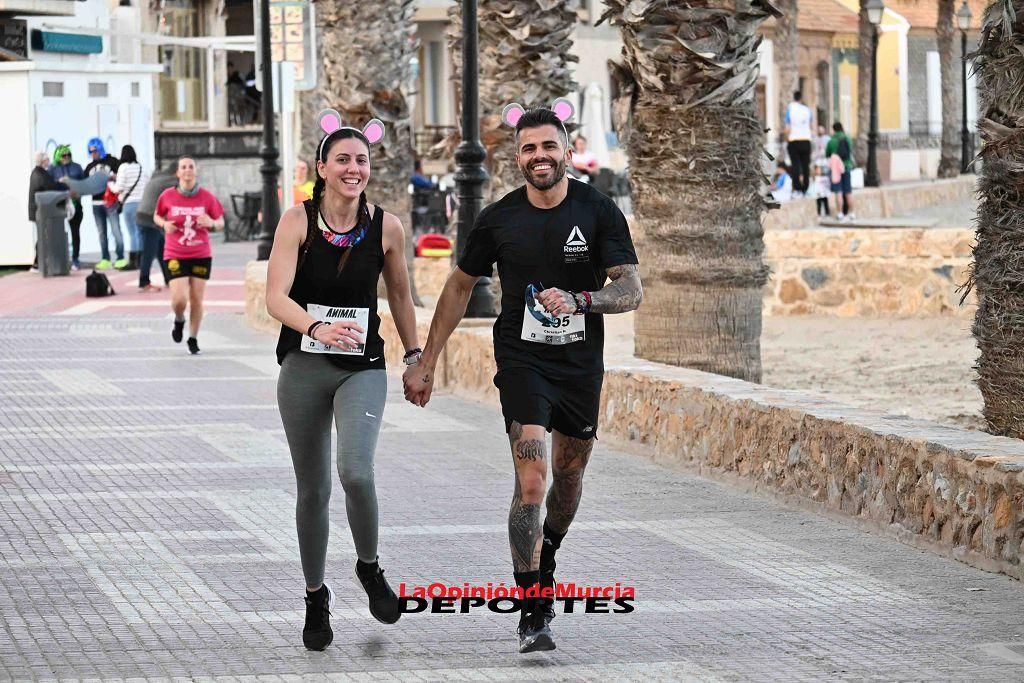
[[841, 147], [64, 167], [555, 240], [186, 213], [129, 186], [152, 236], [328, 255], [799, 122]]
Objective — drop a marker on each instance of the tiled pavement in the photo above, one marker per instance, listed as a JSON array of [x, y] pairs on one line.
[[147, 530]]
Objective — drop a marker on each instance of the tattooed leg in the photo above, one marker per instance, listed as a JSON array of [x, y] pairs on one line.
[[524, 530], [569, 461]]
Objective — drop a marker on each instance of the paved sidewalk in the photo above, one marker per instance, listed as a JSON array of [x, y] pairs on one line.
[[147, 530]]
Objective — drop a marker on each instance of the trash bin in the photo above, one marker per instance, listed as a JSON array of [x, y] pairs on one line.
[[51, 211]]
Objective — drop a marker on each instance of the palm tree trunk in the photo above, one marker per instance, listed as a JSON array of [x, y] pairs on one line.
[[864, 35], [366, 50], [787, 59], [949, 161], [695, 149], [997, 273], [524, 57]]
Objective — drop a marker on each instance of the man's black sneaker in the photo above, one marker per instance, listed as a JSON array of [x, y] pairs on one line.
[[534, 633], [317, 633], [547, 605], [383, 602], [176, 331], [193, 346]]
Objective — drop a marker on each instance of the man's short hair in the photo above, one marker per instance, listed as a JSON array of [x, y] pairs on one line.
[[797, 95], [837, 127], [535, 118], [39, 157]]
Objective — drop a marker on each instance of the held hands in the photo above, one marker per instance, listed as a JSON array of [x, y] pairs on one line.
[[557, 301], [419, 382], [346, 336]]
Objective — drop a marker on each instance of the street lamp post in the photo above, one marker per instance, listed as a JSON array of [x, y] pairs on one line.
[[875, 10], [963, 20], [268, 150], [470, 174]]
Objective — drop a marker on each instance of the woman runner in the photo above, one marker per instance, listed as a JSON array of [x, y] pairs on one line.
[[328, 255], [186, 213]]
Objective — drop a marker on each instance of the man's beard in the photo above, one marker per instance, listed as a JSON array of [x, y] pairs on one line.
[[556, 176]]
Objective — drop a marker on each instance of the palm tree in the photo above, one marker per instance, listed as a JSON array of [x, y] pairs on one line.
[[524, 57], [696, 148], [949, 161], [787, 43], [366, 51], [997, 272]]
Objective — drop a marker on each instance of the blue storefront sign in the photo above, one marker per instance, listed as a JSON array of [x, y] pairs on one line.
[[50, 41]]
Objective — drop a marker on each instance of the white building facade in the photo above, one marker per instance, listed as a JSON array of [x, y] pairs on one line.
[[65, 89]]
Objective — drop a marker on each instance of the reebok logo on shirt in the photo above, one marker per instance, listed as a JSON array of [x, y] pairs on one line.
[[576, 249]]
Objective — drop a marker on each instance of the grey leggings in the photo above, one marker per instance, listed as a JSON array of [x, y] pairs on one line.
[[310, 391]]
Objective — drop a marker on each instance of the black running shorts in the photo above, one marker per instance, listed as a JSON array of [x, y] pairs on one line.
[[569, 406], [189, 267]]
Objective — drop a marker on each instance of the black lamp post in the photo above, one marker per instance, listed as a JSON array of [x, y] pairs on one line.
[[963, 20], [269, 170], [875, 10], [470, 175]]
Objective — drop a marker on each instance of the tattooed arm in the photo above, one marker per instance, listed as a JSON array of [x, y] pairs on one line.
[[624, 293]]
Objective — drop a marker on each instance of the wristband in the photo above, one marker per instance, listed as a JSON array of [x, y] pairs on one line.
[[412, 356], [312, 329], [582, 307]]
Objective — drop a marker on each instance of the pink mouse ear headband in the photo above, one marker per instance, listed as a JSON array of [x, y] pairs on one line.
[[330, 122], [562, 107]]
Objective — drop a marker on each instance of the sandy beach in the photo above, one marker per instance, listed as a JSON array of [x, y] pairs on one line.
[[921, 367]]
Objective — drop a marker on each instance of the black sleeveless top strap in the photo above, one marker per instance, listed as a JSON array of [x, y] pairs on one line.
[[330, 295]]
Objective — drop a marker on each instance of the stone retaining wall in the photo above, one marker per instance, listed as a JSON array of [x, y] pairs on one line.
[[956, 492], [867, 272], [875, 202], [840, 272]]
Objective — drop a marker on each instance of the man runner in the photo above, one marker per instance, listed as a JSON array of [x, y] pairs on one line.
[[554, 240]]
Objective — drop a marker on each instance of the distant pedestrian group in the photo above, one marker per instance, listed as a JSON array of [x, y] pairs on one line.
[[819, 165]]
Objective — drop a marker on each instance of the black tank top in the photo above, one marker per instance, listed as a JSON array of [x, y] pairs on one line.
[[345, 295]]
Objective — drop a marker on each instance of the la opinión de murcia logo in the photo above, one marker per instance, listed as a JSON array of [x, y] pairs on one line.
[[442, 598]]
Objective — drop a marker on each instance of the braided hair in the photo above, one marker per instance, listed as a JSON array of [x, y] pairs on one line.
[[313, 205]]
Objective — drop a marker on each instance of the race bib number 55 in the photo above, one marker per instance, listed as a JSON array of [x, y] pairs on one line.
[[543, 328], [334, 314]]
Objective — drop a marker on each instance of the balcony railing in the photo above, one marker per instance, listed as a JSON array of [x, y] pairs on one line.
[[430, 136]]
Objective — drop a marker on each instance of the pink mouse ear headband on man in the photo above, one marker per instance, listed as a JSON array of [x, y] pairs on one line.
[[562, 107], [330, 122]]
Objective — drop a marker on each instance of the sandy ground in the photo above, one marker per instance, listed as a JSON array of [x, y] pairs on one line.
[[916, 367]]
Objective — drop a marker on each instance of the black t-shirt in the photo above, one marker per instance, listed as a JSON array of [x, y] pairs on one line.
[[570, 247]]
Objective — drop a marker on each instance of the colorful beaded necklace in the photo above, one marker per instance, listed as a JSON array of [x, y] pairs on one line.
[[347, 239]]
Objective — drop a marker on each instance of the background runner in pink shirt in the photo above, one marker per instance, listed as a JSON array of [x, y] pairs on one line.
[[187, 213]]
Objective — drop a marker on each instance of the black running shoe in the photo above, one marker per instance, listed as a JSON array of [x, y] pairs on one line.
[[317, 633], [534, 634], [193, 346], [176, 331], [383, 602]]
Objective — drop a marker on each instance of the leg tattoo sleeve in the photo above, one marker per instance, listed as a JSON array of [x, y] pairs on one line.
[[569, 461], [524, 532]]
